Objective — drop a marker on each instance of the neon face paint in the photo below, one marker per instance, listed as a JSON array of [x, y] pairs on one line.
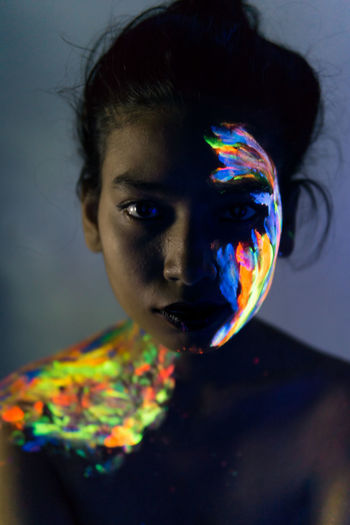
[[96, 398], [93, 399], [246, 268]]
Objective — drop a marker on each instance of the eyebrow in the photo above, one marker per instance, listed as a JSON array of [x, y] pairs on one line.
[[241, 185], [128, 180]]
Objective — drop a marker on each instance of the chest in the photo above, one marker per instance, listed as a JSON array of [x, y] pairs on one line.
[[223, 458]]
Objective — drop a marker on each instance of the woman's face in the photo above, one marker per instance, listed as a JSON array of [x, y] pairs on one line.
[[191, 218]]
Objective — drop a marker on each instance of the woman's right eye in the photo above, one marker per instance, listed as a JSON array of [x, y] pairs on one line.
[[140, 210]]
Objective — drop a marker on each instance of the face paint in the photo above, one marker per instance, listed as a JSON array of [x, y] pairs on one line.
[[94, 399], [246, 268], [98, 397]]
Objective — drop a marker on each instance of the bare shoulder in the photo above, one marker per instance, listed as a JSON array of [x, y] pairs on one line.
[[33, 399], [307, 441], [30, 492], [295, 353], [327, 421]]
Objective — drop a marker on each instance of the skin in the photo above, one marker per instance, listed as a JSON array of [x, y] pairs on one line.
[[302, 446], [177, 257], [233, 464]]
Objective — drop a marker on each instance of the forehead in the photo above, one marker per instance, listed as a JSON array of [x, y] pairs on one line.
[[158, 146], [154, 139], [240, 154]]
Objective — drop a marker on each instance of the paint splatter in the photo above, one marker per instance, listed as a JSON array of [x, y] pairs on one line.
[[246, 269], [88, 402]]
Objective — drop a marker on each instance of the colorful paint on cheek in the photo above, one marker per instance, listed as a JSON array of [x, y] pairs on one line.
[[94, 399], [246, 268]]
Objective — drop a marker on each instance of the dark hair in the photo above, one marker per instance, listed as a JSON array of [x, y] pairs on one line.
[[195, 55]]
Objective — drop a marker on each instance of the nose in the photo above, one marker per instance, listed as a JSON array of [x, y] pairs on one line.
[[188, 256]]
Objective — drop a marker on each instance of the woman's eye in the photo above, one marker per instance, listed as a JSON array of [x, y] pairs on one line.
[[140, 210], [241, 212]]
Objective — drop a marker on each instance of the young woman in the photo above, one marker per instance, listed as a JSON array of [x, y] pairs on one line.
[[192, 128]]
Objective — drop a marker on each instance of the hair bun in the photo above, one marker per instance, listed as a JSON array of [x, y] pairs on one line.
[[232, 9]]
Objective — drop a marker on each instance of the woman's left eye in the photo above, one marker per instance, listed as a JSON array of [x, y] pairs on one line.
[[241, 212], [140, 210]]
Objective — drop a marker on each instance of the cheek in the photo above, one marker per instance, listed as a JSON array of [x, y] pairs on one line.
[[130, 262], [246, 270], [243, 267], [125, 266]]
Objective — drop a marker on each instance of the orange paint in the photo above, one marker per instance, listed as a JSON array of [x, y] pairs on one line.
[[265, 258], [120, 437], [166, 372], [13, 414], [39, 407], [64, 399], [142, 369], [85, 400], [246, 280], [149, 394], [162, 354]]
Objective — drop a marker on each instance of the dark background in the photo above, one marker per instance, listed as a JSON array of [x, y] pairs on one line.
[[53, 291]]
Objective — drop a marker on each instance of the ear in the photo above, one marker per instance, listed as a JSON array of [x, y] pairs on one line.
[[89, 209], [289, 219]]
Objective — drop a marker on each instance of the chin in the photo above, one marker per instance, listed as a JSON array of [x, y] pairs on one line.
[[186, 340], [193, 343]]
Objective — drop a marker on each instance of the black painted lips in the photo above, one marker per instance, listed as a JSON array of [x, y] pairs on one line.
[[196, 312], [194, 315], [189, 317]]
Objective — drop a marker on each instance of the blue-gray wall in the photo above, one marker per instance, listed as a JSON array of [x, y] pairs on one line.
[[53, 291]]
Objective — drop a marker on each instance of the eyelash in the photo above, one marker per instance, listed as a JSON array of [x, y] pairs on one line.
[[124, 208]]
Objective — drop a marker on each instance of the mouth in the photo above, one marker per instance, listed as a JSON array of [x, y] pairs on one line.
[[188, 318]]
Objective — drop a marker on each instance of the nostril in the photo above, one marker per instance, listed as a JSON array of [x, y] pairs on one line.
[[190, 274], [189, 261]]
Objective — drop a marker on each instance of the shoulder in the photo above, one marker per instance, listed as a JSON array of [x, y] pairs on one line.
[[262, 353], [30, 491], [37, 399], [297, 375], [34, 396], [45, 379], [298, 354], [326, 378]]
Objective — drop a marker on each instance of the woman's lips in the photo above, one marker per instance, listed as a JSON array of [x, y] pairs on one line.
[[188, 319]]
